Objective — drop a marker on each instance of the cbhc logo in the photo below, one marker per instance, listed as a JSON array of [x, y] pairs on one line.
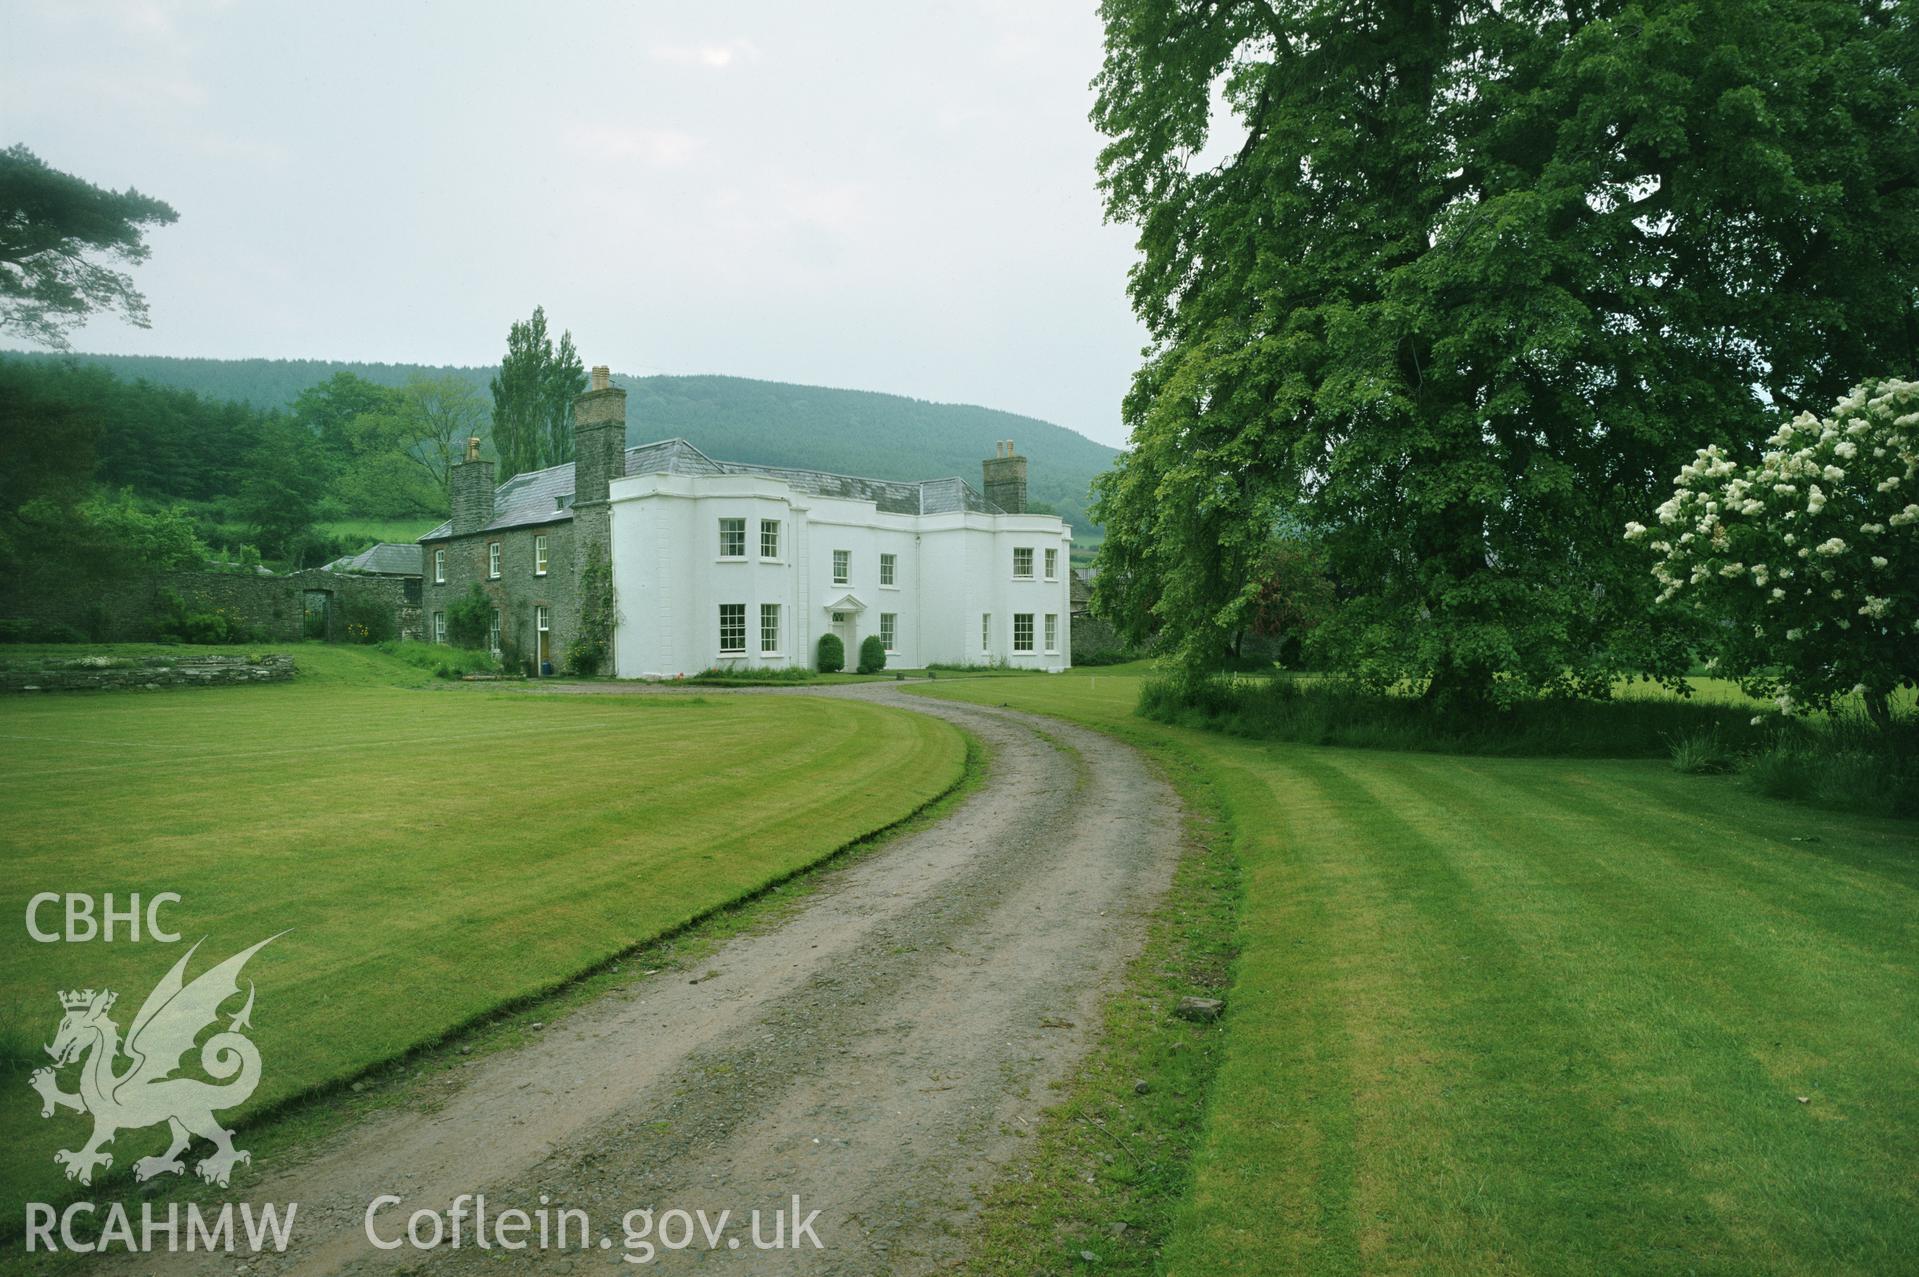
[[84, 922]]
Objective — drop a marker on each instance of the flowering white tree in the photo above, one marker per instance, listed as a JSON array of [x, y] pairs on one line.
[[1806, 565]]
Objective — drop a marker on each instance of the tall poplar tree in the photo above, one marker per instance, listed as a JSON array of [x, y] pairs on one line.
[[533, 398], [1466, 283]]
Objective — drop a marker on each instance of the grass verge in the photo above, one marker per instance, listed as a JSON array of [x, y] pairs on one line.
[[1110, 1161], [1532, 1015]]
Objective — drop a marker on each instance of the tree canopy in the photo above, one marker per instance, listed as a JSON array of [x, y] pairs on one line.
[[533, 398], [1466, 285], [57, 234]]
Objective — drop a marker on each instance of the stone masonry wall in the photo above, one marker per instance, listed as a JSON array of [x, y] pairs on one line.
[[518, 590], [275, 606], [271, 605], [98, 674]]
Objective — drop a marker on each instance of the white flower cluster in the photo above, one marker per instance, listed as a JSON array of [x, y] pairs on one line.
[[1817, 541]]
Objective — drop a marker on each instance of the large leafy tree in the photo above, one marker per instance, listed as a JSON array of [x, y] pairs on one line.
[[58, 233], [1471, 281], [438, 415], [533, 397]]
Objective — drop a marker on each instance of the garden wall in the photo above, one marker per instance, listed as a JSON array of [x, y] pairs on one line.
[[272, 606], [107, 674], [275, 606]]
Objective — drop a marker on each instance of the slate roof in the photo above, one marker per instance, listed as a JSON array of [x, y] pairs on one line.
[[1080, 590], [387, 558], [545, 496]]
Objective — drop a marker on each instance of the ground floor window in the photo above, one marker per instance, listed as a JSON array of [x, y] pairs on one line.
[[1052, 631], [985, 631], [439, 627], [769, 628], [493, 633], [732, 628], [889, 627], [1022, 631]]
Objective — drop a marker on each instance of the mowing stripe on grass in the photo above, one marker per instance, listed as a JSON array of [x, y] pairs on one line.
[[510, 844], [1524, 1015]]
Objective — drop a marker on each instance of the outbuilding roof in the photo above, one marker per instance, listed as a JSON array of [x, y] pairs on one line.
[[546, 496], [387, 558]]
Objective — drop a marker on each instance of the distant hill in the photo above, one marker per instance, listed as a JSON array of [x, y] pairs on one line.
[[733, 418]]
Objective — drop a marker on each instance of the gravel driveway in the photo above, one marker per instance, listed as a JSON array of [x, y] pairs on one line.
[[876, 1054]]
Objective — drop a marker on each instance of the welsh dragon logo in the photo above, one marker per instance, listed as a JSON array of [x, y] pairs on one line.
[[145, 1092]]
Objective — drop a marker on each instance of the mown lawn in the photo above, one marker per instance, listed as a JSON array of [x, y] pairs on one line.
[[435, 850], [1544, 1015]]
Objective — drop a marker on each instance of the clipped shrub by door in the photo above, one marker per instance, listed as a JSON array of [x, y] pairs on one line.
[[832, 654], [872, 654]]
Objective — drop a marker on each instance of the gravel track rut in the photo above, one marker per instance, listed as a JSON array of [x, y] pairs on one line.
[[876, 1053]]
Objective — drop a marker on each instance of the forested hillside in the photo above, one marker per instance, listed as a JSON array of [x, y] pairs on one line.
[[767, 422]]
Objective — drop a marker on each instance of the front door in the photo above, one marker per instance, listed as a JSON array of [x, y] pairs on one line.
[[542, 623], [843, 627]]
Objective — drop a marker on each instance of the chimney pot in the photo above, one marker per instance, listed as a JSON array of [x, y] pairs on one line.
[[602, 379], [473, 448]]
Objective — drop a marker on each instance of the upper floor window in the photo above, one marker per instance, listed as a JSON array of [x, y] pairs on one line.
[[1052, 565], [1022, 631], [769, 628], [769, 538], [1052, 632], [842, 566], [889, 630], [493, 559], [732, 538], [889, 569], [1023, 562], [539, 555], [439, 567], [732, 628]]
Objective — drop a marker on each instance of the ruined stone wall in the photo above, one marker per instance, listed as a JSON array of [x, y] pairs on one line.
[[107, 674]]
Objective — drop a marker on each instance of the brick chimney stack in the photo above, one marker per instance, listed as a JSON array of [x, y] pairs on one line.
[[471, 482], [1005, 476]]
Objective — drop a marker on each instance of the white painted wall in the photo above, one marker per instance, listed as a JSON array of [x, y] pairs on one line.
[[669, 579]]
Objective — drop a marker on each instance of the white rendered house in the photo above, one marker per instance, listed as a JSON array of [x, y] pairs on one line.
[[719, 563]]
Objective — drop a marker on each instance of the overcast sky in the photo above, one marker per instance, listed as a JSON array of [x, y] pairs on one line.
[[887, 196]]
